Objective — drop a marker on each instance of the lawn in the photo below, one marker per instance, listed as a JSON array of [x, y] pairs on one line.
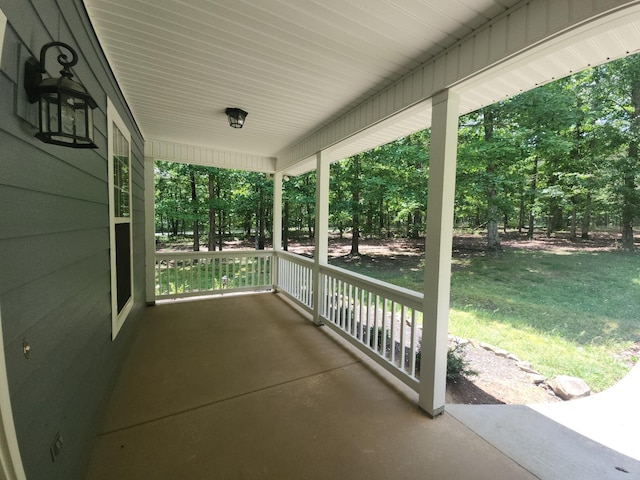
[[567, 311]]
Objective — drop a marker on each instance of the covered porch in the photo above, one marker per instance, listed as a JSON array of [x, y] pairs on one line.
[[246, 386], [249, 386]]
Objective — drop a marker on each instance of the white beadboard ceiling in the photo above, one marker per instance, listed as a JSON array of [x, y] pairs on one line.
[[298, 65]]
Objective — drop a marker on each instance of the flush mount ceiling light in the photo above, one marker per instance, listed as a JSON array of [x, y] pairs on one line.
[[236, 117], [66, 108]]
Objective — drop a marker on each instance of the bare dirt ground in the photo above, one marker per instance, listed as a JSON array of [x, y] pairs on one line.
[[499, 380]]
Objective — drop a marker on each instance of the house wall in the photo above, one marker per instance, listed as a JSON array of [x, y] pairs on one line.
[[54, 248]]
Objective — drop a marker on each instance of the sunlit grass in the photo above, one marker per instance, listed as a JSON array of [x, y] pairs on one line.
[[549, 353]]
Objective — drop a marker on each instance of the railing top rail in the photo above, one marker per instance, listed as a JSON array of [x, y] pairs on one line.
[[402, 295], [222, 254], [294, 257]]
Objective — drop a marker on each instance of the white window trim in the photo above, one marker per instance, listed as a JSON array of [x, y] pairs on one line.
[[117, 320], [11, 466]]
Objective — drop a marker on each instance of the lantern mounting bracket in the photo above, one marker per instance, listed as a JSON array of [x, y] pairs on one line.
[[34, 69]]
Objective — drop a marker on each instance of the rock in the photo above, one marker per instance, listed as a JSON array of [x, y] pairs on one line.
[[513, 357], [536, 378], [569, 388], [526, 367], [492, 348]]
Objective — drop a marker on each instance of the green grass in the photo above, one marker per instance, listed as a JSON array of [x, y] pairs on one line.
[[566, 313]]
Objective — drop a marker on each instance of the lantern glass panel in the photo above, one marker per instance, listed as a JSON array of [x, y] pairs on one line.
[[68, 117], [49, 114], [81, 120], [90, 124]]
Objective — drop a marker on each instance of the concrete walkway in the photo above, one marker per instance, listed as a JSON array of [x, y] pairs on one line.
[[595, 438], [611, 418]]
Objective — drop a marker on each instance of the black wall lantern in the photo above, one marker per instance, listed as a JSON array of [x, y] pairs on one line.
[[66, 108], [236, 117]]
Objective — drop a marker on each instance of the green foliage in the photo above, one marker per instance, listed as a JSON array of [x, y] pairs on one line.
[[457, 364]]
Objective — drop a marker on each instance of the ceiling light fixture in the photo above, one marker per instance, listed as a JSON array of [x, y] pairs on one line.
[[236, 117], [66, 108]]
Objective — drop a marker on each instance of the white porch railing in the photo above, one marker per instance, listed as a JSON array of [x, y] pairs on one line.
[[188, 274], [382, 320], [295, 278]]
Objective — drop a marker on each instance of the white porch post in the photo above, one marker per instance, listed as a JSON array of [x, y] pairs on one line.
[[150, 229], [277, 226], [321, 255], [437, 270]]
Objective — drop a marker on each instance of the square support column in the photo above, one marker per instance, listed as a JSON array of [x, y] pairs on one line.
[[437, 269], [150, 230], [277, 211], [321, 251], [277, 227]]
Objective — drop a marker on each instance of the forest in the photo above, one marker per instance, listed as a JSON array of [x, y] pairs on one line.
[[561, 157]]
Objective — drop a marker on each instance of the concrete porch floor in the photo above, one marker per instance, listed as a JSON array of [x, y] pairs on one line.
[[244, 387]]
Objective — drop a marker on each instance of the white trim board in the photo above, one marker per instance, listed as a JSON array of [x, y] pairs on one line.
[[11, 467], [3, 28]]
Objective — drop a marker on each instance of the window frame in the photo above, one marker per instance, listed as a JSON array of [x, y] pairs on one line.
[[118, 318]]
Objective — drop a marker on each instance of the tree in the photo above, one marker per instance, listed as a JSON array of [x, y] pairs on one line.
[[354, 170], [617, 94], [194, 206]]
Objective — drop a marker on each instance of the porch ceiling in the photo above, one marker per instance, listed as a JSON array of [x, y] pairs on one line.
[[293, 65], [298, 65]]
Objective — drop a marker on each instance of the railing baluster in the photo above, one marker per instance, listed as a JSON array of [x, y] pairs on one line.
[[360, 313], [414, 350], [402, 336], [393, 332]]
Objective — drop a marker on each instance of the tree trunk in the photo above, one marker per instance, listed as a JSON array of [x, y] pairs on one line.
[[221, 217], [574, 220], [628, 207], [586, 217], [415, 229], [521, 214], [532, 199], [211, 244], [194, 203], [629, 195], [355, 206], [493, 236], [381, 217], [555, 219], [261, 220], [285, 226]]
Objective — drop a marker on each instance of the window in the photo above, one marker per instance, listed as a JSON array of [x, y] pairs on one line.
[[121, 244]]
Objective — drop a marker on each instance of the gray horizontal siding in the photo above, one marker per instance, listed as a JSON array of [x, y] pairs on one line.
[[54, 249]]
